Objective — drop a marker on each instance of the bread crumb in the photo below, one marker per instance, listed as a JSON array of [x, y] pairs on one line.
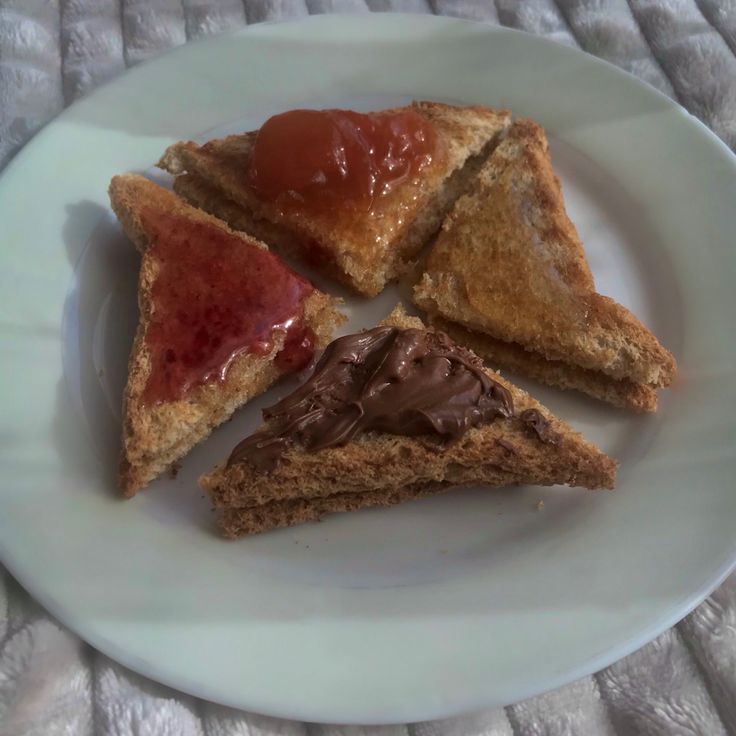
[[174, 470], [540, 505]]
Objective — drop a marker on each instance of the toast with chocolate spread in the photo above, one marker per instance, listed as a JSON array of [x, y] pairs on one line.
[[364, 245], [392, 414], [508, 277], [208, 339]]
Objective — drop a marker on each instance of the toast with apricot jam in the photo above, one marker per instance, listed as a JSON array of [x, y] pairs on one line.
[[363, 241]]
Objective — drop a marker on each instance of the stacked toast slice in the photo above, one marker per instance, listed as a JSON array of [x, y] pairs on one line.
[[508, 277], [364, 249], [525, 445], [194, 360]]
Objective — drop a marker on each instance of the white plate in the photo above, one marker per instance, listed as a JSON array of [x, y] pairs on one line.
[[433, 608]]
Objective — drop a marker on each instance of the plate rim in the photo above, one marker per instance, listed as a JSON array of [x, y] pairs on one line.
[[635, 641]]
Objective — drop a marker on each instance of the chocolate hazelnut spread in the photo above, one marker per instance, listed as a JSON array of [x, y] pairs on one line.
[[539, 425], [405, 382]]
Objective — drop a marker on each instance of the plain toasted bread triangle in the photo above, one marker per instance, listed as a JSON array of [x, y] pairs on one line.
[[363, 249], [156, 435], [378, 469], [508, 264]]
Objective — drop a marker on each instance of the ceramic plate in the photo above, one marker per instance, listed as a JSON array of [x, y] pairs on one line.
[[445, 605]]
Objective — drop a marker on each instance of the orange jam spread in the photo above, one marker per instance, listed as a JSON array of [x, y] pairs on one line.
[[214, 298], [319, 159]]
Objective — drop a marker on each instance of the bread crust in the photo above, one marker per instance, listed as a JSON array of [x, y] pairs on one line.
[[236, 522], [155, 436]]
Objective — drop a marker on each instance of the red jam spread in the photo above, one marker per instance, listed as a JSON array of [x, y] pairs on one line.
[[318, 159], [316, 254], [214, 298], [297, 351]]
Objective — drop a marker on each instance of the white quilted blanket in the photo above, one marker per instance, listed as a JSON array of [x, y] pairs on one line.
[[53, 51]]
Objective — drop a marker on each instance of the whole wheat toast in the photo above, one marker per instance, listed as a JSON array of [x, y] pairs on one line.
[[508, 265], [378, 469], [363, 249], [156, 434], [236, 522]]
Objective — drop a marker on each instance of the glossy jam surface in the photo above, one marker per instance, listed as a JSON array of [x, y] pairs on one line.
[[214, 298], [318, 159], [298, 349]]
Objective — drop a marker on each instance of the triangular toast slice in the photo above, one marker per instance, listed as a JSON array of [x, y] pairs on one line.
[[380, 469], [364, 249], [208, 340], [509, 266]]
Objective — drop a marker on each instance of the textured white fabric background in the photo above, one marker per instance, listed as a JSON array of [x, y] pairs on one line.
[[52, 52]]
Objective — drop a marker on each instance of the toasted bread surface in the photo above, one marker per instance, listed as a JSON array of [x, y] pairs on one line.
[[381, 465], [508, 263], [365, 249], [157, 434]]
